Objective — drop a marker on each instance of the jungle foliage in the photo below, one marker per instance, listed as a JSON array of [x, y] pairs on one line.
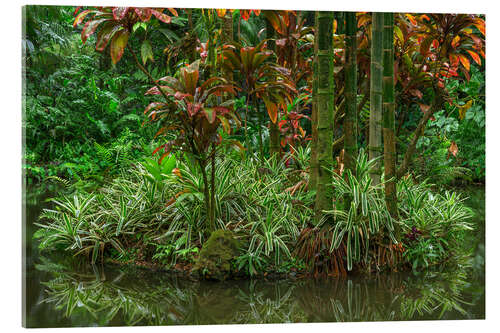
[[186, 122]]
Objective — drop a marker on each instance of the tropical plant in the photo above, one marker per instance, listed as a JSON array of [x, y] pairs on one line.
[[261, 79], [434, 224], [366, 217]]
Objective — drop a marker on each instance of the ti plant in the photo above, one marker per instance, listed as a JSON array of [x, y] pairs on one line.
[[261, 79], [117, 23], [193, 114]]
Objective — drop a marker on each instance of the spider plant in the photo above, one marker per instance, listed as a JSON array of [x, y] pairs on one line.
[[366, 215]]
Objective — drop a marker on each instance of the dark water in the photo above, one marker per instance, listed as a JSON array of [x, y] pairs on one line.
[[61, 292]]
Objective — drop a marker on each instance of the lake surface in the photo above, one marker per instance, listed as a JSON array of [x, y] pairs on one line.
[[60, 292]]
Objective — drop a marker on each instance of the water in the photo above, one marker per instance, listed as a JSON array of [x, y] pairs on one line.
[[60, 292]]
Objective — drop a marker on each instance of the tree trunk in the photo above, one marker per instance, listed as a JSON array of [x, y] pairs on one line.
[[325, 112], [212, 187], [436, 105], [313, 162], [388, 124], [206, 193], [375, 141], [274, 132], [351, 89]]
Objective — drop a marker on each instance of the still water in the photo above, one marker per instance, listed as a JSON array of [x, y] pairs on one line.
[[60, 292]]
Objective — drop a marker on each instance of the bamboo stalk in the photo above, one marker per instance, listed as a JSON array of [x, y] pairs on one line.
[[388, 121], [350, 130], [375, 139], [325, 98]]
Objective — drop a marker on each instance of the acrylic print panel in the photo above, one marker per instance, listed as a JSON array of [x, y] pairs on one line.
[[236, 166]]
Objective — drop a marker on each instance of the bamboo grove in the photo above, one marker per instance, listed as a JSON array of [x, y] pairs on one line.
[[299, 132]]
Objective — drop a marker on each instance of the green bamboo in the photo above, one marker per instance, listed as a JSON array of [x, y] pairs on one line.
[[351, 114], [388, 121], [325, 112], [375, 139]]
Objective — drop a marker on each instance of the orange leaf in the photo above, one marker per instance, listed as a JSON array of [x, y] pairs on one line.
[[475, 56], [479, 23], [455, 41], [454, 59], [177, 172], [412, 19], [453, 149], [221, 12], [465, 62]]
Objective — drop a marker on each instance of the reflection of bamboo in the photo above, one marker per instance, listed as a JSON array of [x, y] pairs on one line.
[[145, 298]]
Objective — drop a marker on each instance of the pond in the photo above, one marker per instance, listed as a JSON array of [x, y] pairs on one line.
[[60, 292]]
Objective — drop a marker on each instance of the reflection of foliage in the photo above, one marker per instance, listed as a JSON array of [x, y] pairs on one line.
[[108, 297], [435, 294]]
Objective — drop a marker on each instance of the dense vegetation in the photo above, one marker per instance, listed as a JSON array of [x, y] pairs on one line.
[[321, 142]]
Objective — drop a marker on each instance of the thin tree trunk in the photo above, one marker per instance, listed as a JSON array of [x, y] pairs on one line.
[[206, 193], [313, 162], [325, 112], [259, 128], [212, 186], [410, 151], [274, 132], [247, 142], [388, 125], [375, 142], [351, 89]]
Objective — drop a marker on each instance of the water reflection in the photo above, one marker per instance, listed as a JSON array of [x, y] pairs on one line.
[[94, 296]]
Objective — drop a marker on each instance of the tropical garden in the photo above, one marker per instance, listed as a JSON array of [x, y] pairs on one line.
[[231, 144]]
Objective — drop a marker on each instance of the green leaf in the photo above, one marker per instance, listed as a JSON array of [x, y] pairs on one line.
[[146, 52]]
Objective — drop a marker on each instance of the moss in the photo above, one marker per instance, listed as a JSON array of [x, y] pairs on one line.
[[214, 261]]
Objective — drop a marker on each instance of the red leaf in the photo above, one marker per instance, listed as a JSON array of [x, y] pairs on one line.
[[81, 16], [426, 44], [89, 28], [281, 42], [424, 108], [105, 34], [155, 106], [158, 148], [179, 96], [454, 60], [77, 9], [143, 13], [119, 12], [416, 93], [160, 16]]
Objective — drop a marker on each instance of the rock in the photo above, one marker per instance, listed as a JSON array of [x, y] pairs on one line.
[[216, 255]]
